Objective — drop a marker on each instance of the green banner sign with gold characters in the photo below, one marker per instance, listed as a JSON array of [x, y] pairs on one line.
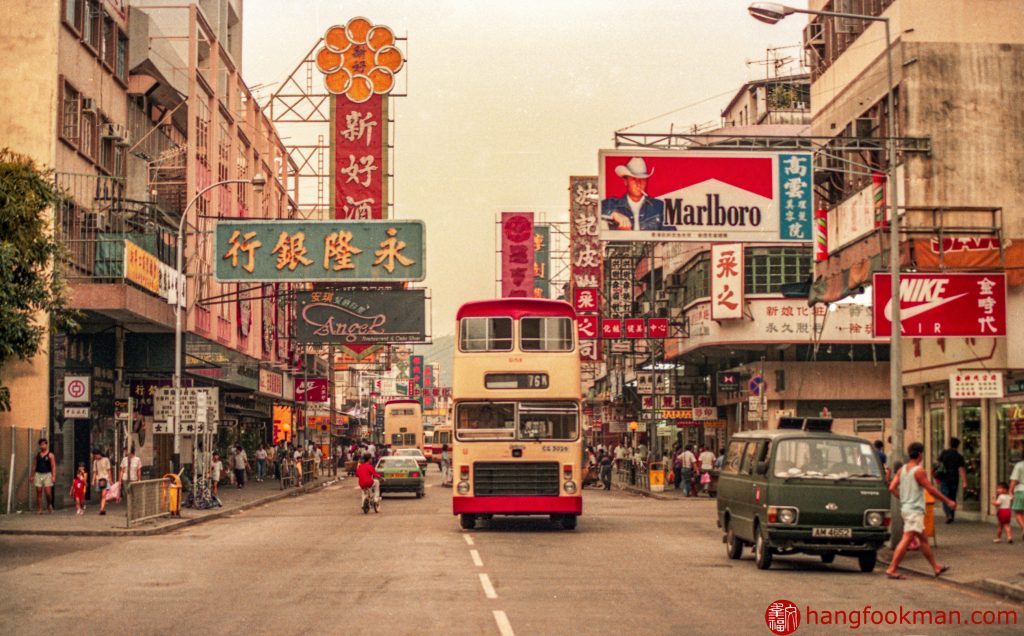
[[286, 250]]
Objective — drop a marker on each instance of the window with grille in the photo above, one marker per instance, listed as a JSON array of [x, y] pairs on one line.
[[767, 268], [87, 141], [697, 280], [121, 57], [72, 15], [92, 25], [70, 115]]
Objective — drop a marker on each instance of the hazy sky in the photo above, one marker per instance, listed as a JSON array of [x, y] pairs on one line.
[[506, 100]]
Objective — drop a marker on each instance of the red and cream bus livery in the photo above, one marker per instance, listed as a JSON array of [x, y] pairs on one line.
[[442, 438], [517, 447]]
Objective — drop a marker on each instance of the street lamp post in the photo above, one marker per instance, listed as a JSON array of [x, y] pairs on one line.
[[257, 182], [771, 13]]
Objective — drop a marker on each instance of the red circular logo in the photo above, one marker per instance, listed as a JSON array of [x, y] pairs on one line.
[[518, 229], [76, 388], [782, 617]]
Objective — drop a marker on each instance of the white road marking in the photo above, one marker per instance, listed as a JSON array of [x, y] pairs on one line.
[[469, 539], [504, 627], [476, 558], [489, 592]]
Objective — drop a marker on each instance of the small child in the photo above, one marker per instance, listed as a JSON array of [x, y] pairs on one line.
[[78, 489], [1002, 502]]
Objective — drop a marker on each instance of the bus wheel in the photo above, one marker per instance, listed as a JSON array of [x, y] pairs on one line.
[[568, 522], [468, 522]]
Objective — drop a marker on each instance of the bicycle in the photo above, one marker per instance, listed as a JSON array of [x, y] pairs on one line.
[[372, 498]]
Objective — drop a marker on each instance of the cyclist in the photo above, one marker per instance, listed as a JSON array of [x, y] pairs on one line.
[[368, 479]]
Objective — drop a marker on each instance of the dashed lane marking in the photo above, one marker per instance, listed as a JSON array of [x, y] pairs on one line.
[[504, 627], [489, 592], [469, 539], [476, 558]]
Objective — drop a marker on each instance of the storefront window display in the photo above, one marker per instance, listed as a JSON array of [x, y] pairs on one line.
[[937, 430], [1009, 438], [969, 418]]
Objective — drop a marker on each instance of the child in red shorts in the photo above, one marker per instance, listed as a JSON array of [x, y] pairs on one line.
[[1002, 502], [78, 489]]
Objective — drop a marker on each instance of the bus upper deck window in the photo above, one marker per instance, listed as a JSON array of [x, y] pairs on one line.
[[546, 334], [485, 334]]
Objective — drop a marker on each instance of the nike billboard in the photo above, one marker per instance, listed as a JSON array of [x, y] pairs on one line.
[[940, 305]]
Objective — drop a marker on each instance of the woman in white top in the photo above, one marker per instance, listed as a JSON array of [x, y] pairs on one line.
[[261, 462], [101, 477]]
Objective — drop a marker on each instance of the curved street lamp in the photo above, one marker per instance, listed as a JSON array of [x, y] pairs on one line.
[[258, 182]]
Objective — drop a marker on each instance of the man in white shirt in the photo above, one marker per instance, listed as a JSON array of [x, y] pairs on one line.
[[131, 468], [240, 462], [687, 460]]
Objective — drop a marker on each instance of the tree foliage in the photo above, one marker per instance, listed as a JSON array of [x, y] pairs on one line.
[[32, 280]]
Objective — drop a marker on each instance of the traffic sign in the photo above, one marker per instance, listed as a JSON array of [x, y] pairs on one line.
[[757, 385]]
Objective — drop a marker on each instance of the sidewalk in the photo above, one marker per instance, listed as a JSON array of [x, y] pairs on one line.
[[974, 560], [65, 522]]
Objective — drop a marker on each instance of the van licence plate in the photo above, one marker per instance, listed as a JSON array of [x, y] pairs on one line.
[[836, 533]]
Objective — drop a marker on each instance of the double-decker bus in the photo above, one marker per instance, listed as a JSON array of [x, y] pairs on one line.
[[403, 424], [442, 437], [517, 448]]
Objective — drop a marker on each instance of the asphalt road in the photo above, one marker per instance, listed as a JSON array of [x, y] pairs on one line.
[[316, 563]]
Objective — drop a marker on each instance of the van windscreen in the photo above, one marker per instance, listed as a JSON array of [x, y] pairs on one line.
[[816, 458]]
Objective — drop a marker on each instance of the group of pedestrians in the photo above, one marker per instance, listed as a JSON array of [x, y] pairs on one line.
[[692, 471], [43, 475]]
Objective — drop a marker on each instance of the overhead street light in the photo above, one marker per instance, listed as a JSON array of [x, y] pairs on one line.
[[258, 182], [771, 13]]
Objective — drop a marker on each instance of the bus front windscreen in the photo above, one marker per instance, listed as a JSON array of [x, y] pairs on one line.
[[548, 420], [508, 420]]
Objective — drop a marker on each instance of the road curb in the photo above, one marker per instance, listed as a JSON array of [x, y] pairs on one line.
[[660, 497], [176, 525], [992, 586]]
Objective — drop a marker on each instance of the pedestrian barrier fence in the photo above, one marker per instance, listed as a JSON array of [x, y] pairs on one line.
[[149, 499], [307, 471]]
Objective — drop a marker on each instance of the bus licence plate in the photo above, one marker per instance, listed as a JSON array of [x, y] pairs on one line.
[[835, 533]]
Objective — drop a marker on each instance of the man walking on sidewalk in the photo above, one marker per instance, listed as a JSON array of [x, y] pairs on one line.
[[240, 462], [950, 470], [909, 486], [43, 474]]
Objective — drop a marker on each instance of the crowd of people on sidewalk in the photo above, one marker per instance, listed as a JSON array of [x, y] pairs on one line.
[[687, 469]]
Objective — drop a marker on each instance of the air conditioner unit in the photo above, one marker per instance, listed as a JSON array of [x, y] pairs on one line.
[[801, 106], [89, 104], [117, 132], [661, 296]]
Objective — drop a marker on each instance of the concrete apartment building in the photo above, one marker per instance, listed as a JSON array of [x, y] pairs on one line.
[[143, 108], [958, 76]]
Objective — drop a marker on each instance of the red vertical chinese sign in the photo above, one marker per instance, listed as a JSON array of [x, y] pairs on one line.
[[585, 255], [727, 281], [359, 169], [517, 254]]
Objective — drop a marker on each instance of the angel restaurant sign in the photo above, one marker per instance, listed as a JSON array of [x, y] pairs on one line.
[[345, 316]]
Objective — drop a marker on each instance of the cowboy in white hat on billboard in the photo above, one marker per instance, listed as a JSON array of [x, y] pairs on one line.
[[635, 210]]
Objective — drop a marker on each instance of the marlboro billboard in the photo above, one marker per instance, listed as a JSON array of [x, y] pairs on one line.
[[942, 305], [705, 197]]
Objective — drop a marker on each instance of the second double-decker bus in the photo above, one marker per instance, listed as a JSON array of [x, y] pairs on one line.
[[517, 447], [442, 438], [403, 424]]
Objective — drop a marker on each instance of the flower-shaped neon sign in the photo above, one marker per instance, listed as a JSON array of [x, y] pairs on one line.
[[359, 60]]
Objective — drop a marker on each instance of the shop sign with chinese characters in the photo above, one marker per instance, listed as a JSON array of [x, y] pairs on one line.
[[943, 305], [975, 385], [705, 196], [302, 251], [541, 261], [311, 390], [359, 174], [776, 320], [271, 383], [517, 255], [585, 260], [620, 286], [141, 267], [727, 281]]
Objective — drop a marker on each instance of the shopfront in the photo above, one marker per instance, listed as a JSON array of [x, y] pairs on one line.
[[1009, 433]]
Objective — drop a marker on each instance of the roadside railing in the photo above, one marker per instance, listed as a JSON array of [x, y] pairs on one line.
[[148, 499]]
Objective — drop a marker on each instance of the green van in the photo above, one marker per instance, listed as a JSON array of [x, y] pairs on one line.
[[802, 488]]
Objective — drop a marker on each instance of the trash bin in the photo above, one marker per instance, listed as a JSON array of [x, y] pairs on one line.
[[174, 494], [656, 476], [929, 515]]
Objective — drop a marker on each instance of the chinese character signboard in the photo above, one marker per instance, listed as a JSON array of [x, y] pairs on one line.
[[541, 261], [416, 375], [311, 390], [141, 267], [703, 196], [301, 251], [941, 305], [974, 385], [585, 258], [727, 281], [347, 316], [620, 286], [359, 167], [517, 251], [271, 383]]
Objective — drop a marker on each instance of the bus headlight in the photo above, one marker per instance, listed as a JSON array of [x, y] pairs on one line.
[[463, 487], [570, 487]]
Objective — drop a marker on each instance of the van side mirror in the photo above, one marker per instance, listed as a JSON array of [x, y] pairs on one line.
[[761, 468]]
